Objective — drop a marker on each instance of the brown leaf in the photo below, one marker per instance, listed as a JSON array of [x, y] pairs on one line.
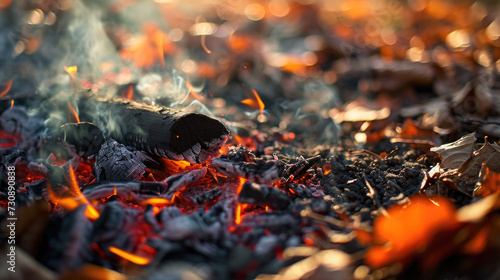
[[456, 153], [409, 229], [489, 182], [488, 154]]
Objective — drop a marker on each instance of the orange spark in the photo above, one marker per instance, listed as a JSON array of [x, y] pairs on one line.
[[237, 219], [73, 113], [129, 256], [12, 103], [7, 86], [71, 71]]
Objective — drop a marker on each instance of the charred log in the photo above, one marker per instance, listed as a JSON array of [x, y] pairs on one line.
[[158, 130], [84, 138]]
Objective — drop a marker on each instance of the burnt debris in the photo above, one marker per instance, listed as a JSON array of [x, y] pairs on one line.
[[158, 130]]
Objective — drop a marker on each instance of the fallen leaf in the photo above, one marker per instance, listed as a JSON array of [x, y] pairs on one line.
[[408, 229], [488, 154], [456, 153], [489, 182]]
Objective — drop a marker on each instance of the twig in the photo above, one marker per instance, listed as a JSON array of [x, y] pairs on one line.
[[372, 193]]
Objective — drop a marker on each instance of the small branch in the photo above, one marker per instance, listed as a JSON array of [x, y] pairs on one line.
[[372, 193]]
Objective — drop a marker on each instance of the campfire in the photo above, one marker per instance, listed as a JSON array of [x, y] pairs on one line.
[[282, 139]]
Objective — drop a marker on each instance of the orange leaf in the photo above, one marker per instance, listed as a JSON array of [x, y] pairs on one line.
[[409, 229], [489, 184]]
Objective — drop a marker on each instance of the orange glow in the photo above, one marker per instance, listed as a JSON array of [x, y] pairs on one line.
[[129, 256], [74, 114], [7, 85], [91, 212], [8, 140], [157, 201], [240, 186], [150, 48], [327, 168], [12, 103], [409, 229], [237, 219], [308, 241], [254, 103], [130, 92], [71, 71], [238, 139], [4, 4], [240, 43]]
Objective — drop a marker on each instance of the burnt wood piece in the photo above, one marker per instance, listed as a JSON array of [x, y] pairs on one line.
[[158, 130], [262, 195], [135, 192], [84, 138], [115, 162], [262, 172]]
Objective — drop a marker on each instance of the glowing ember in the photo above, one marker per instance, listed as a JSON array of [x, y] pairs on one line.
[[71, 71], [7, 140], [129, 256], [240, 186], [157, 201], [12, 103], [130, 92], [7, 85], [237, 218]]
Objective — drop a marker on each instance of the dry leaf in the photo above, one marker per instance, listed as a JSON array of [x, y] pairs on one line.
[[409, 229], [456, 153], [488, 154], [489, 182]]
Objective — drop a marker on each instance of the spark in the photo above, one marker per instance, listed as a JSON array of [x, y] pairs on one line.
[[7, 86], [129, 256], [12, 103]]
